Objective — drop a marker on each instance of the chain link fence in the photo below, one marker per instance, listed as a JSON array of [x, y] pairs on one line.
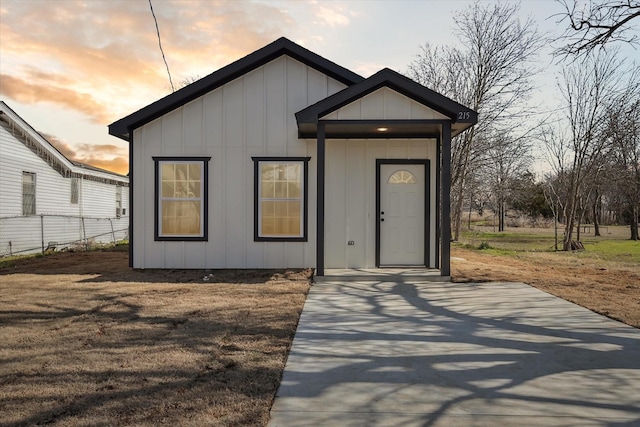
[[41, 233]]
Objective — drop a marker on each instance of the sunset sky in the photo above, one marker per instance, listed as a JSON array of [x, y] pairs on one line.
[[69, 68]]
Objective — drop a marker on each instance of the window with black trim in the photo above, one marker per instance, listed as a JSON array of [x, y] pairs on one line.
[[181, 197], [280, 189]]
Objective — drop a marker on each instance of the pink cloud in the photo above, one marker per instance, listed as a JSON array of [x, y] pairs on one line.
[[116, 164], [104, 156], [61, 146], [34, 91], [102, 57]]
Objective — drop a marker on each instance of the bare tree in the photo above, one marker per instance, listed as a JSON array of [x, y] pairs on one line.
[[188, 80], [507, 158], [588, 90], [594, 24], [622, 134], [557, 149], [554, 200], [491, 74]]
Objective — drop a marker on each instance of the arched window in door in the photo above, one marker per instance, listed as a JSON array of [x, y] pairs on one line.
[[402, 177]]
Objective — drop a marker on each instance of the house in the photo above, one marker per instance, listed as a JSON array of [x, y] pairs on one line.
[[286, 159], [50, 202]]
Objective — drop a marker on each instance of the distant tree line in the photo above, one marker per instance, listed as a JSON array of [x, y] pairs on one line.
[[592, 143]]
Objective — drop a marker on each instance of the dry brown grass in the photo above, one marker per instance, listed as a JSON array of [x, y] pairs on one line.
[[88, 341], [606, 287]]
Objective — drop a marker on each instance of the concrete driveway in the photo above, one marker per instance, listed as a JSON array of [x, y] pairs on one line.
[[449, 354]]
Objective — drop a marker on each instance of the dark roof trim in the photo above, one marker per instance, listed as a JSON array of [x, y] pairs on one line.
[[386, 77], [282, 46]]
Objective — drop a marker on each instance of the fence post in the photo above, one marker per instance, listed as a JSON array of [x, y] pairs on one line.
[[84, 234], [42, 231], [112, 232]]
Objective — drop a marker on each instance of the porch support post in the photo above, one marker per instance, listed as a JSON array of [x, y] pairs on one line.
[[438, 209], [445, 266], [320, 202], [130, 207]]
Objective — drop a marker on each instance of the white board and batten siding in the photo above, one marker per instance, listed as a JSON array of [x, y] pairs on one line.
[[60, 217], [251, 116], [350, 198]]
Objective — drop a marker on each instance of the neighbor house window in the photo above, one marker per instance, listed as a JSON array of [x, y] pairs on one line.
[[280, 198], [181, 198], [28, 193], [118, 201], [74, 191]]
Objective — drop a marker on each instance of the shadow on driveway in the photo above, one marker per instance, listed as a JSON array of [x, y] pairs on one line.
[[442, 354]]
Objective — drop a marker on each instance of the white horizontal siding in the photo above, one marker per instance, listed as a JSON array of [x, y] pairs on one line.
[[21, 235], [53, 191], [10, 175], [253, 115], [98, 199], [60, 220]]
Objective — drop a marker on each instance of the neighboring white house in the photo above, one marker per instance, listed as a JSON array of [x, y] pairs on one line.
[[285, 159], [49, 201]]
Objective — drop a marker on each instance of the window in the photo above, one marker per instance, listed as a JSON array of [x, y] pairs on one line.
[[280, 211], [28, 193], [119, 201], [181, 198], [74, 191], [402, 177]]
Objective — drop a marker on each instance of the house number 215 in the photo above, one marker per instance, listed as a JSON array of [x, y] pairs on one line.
[[464, 115]]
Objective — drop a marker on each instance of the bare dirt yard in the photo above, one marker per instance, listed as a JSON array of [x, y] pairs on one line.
[[88, 341]]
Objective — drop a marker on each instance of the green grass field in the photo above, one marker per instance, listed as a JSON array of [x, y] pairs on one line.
[[613, 245]]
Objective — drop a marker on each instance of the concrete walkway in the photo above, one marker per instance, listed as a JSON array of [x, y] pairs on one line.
[[451, 354]]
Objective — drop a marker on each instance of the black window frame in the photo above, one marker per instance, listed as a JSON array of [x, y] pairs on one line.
[[205, 199], [256, 199]]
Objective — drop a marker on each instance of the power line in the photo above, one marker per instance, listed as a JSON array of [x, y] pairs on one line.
[[160, 45]]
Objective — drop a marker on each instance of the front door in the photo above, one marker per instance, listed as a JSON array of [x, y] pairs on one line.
[[401, 215]]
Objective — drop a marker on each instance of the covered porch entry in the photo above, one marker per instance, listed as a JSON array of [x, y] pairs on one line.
[[383, 174]]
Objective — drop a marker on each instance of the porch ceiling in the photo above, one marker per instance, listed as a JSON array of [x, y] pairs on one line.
[[374, 129]]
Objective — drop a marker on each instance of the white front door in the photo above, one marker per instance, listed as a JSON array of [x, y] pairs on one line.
[[402, 210]]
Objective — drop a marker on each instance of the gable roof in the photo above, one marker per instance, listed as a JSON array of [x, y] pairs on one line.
[[282, 46], [461, 116], [40, 146]]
